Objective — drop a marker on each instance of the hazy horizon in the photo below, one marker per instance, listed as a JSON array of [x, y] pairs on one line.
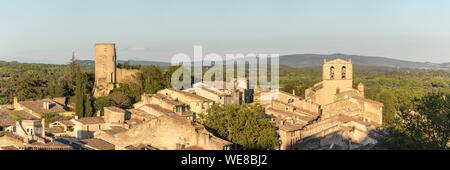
[[47, 31]]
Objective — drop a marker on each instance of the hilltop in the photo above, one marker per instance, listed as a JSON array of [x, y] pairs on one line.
[[315, 60]]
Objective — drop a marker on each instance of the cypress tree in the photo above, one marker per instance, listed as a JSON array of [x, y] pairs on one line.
[[79, 96], [88, 109]]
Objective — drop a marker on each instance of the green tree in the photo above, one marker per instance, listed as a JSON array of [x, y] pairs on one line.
[[151, 79], [64, 85], [168, 75], [79, 94], [121, 99], [126, 64], [88, 108], [131, 89], [426, 125], [245, 125], [101, 102]]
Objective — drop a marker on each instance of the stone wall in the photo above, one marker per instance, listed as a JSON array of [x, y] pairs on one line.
[[373, 112], [8, 140], [342, 107], [126, 75], [165, 133], [114, 115], [196, 103]]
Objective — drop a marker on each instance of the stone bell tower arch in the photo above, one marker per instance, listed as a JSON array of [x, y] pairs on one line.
[[337, 78]]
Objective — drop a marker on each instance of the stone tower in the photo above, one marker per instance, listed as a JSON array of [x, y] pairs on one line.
[[337, 78], [105, 63], [338, 70], [105, 68]]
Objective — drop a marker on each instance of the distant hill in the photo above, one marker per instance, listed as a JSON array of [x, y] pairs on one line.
[[316, 60], [91, 63]]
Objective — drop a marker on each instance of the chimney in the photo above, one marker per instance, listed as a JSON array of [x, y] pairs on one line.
[[16, 100], [99, 113], [46, 105], [361, 89], [43, 128], [15, 103]]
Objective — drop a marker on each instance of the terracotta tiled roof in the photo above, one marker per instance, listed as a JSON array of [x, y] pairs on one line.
[[192, 96], [215, 92], [367, 100], [66, 122], [194, 148], [91, 120], [297, 109], [18, 114], [115, 130], [55, 130], [346, 119], [291, 127], [219, 84], [7, 121], [38, 106], [9, 148], [3, 115], [47, 146], [24, 115], [60, 100], [167, 99], [114, 109], [14, 137], [277, 112], [98, 144], [289, 94], [159, 109], [138, 113], [141, 147]]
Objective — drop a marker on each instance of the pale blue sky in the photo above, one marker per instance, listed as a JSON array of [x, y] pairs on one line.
[[49, 30]]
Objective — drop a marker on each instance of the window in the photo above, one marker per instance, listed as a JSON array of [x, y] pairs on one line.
[[344, 72], [181, 146], [332, 73]]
